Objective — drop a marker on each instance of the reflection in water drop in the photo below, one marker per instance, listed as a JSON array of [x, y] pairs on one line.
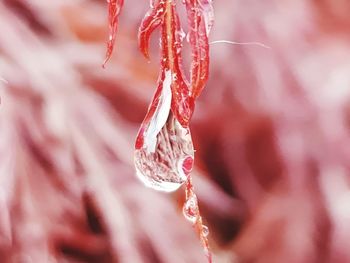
[[166, 168]]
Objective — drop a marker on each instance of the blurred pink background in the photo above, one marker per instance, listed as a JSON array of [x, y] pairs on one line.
[[271, 132]]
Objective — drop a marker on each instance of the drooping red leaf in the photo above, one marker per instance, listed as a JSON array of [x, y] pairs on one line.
[[114, 7], [164, 14], [182, 104], [153, 19], [200, 20]]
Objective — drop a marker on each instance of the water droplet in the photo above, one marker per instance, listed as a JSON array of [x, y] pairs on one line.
[[164, 164], [190, 209], [174, 76], [164, 154], [205, 230]]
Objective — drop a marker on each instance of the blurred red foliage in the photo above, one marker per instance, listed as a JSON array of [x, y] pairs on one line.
[[271, 131]]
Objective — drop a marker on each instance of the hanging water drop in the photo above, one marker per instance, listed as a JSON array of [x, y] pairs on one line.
[[205, 230], [190, 209], [164, 151], [165, 162]]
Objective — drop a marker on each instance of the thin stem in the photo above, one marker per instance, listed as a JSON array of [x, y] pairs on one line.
[[198, 224], [169, 32]]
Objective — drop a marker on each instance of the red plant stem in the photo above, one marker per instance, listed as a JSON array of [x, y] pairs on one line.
[[198, 224]]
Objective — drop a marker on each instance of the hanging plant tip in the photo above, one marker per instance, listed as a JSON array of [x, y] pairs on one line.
[[114, 8], [164, 153]]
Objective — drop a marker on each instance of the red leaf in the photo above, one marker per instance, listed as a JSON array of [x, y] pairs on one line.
[[182, 104], [152, 20], [200, 19], [114, 7]]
